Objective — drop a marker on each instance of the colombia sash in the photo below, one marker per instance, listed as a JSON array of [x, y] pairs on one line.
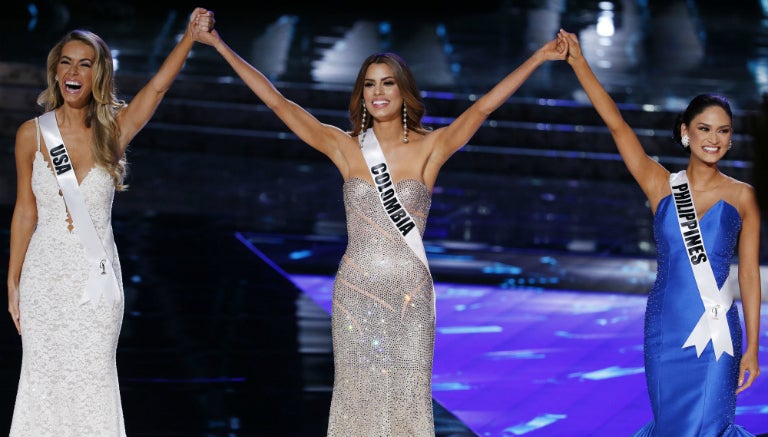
[[101, 276], [713, 324], [397, 214]]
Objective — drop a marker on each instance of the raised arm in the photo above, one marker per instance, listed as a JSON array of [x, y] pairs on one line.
[[451, 138], [142, 107], [323, 137], [648, 173]]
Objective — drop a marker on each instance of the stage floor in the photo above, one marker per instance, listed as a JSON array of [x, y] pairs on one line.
[[221, 338]]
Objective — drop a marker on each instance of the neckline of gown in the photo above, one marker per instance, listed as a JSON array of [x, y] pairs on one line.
[[39, 154], [396, 183], [706, 213]]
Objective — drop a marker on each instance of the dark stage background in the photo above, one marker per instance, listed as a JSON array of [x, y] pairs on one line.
[[225, 205]]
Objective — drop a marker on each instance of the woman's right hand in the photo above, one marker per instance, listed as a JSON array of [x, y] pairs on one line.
[[201, 20], [204, 28], [13, 306], [574, 49]]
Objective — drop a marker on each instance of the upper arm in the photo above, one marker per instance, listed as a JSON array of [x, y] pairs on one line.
[[749, 263], [651, 176], [447, 140], [306, 126], [749, 237], [25, 148], [460, 131], [323, 137], [25, 211], [134, 116]]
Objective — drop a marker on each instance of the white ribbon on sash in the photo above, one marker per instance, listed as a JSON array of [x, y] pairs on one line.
[[101, 277], [713, 324], [394, 209]]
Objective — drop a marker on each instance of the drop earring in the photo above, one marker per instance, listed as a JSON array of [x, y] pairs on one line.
[[361, 136], [405, 124], [685, 141]]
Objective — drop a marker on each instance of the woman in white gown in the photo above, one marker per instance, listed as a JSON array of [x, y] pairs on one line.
[[69, 328]]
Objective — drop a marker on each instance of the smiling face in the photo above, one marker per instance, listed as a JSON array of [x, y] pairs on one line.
[[381, 93], [710, 134], [75, 73]]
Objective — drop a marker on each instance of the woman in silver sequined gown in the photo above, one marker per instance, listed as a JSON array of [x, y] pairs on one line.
[[68, 385], [383, 300], [383, 321]]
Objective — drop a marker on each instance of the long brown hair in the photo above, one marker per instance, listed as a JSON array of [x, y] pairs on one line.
[[408, 90], [103, 105]]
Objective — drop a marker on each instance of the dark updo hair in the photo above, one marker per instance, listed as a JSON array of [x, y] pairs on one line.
[[696, 107]]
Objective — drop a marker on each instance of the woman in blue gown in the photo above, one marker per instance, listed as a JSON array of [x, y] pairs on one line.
[[694, 363]]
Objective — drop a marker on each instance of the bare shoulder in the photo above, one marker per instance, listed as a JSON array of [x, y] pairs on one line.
[[735, 186], [27, 128], [26, 137], [740, 194]]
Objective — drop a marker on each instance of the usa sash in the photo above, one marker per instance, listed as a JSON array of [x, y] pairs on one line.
[[713, 324], [398, 215], [101, 275]]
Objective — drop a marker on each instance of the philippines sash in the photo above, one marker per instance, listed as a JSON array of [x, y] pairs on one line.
[[713, 324], [101, 276], [397, 214]]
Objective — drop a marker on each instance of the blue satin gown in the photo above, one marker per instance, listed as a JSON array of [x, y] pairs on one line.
[[690, 396]]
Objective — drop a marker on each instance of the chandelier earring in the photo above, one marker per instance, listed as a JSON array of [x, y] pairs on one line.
[[685, 141], [405, 124], [730, 145], [362, 125]]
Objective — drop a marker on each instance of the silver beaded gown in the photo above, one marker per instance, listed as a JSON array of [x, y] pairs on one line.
[[383, 321], [68, 385]]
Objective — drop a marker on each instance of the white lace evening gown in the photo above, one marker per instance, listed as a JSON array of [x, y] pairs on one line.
[[68, 385]]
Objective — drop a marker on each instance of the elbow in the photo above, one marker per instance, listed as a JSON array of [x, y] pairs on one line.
[[25, 215]]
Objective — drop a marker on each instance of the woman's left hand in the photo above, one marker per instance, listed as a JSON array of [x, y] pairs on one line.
[[748, 370]]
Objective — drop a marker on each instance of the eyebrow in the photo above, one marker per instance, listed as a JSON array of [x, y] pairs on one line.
[[701, 123], [73, 59], [383, 78]]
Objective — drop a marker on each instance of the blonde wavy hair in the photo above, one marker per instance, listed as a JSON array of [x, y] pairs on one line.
[[103, 107]]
